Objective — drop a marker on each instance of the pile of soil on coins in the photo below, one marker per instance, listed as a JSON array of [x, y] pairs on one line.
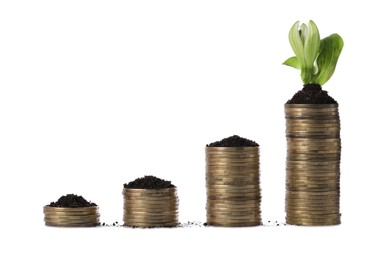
[[149, 182], [233, 141], [312, 94], [71, 201]]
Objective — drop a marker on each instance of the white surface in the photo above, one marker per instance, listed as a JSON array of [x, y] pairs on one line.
[[96, 93]]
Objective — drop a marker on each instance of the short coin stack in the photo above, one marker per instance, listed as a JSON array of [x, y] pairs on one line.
[[233, 186], [313, 164], [71, 217], [150, 207]]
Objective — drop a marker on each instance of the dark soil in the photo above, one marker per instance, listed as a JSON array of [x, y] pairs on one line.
[[233, 141], [312, 94], [71, 201], [149, 182]]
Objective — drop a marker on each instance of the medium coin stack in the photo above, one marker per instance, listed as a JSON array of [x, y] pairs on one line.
[[71, 217], [233, 186], [150, 207], [313, 164]]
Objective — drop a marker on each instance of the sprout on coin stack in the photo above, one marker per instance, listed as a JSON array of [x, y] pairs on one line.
[[71, 211], [233, 183], [313, 131], [150, 202]]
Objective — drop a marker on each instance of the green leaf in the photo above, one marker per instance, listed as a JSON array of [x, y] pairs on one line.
[[292, 62], [296, 43], [330, 50], [311, 44]]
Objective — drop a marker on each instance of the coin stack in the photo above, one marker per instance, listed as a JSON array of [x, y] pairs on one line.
[[71, 217], [233, 186], [313, 164], [150, 207]]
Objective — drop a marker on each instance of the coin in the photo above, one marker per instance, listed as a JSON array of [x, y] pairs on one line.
[[234, 224], [233, 186], [147, 208], [72, 225], [149, 216], [148, 225], [305, 222], [66, 214], [71, 217], [313, 164], [60, 209], [225, 216], [66, 223]]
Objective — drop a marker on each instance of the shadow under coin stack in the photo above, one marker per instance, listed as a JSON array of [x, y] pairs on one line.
[[150, 202], [71, 211], [313, 164], [233, 183]]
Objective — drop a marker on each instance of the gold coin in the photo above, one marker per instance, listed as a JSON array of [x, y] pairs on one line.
[[232, 183], [153, 218], [231, 208], [248, 193], [312, 199], [237, 218], [133, 222], [73, 225], [306, 123], [233, 224], [133, 216], [151, 202], [227, 178], [66, 214], [148, 225], [232, 219], [312, 187], [237, 158], [151, 199], [312, 179], [231, 197], [254, 204], [57, 222], [313, 131], [313, 223], [71, 217], [312, 210], [230, 213], [61, 209], [150, 208], [241, 176], [232, 202], [226, 186]]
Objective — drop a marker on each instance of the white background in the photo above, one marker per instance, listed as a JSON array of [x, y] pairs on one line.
[[94, 94]]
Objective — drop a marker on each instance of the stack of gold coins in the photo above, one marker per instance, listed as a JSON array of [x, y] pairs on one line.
[[233, 186], [150, 207], [71, 217], [313, 164]]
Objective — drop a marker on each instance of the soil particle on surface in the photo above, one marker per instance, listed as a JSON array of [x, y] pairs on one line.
[[71, 201], [149, 182], [233, 141], [312, 94]]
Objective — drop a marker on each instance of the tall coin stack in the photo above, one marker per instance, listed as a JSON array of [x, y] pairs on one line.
[[233, 186], [150, 207], [313, 164], [71, 217]]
